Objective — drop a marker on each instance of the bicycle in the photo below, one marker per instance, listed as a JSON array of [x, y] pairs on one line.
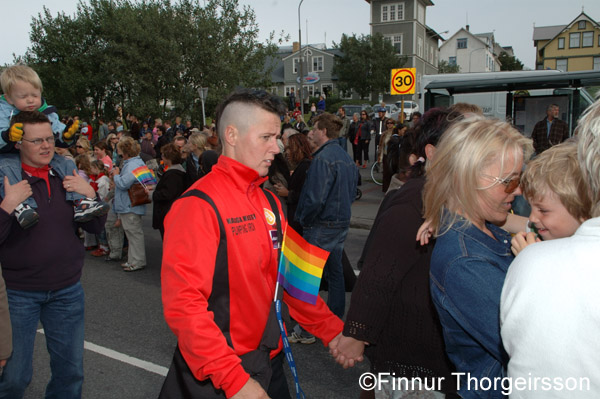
[[377, 173]]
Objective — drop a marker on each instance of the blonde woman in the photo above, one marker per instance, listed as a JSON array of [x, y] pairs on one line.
[[470, 185]]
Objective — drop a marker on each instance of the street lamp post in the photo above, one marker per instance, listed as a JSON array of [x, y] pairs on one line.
[[301, 71]]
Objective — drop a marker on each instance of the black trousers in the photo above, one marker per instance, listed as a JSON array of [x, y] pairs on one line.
[[278, 388]]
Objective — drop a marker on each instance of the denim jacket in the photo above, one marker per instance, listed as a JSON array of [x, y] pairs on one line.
[[467, 272], [124, 180], [329, 188]]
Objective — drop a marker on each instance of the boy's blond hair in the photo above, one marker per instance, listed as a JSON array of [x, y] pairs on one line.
[[557, 170], [14, 73]]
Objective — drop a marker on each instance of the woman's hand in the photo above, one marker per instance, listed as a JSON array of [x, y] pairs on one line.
[[281, 190], [424, 233], [522, 240], [78, 184]]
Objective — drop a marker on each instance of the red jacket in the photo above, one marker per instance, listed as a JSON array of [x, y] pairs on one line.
[[189, 252]]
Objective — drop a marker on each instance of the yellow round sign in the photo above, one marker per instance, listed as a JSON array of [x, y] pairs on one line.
[[403, 81]]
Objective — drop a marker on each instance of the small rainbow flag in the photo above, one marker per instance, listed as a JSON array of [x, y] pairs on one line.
[[144, 175], [301, 267]]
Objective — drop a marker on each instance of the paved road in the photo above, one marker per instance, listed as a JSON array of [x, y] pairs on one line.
[[129, 346]]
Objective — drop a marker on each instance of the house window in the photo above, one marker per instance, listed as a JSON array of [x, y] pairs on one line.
[[561, 64], [452, 61], [588, 39], [581, 25], [327, 89], [346, 95], [317, 64], [420, 47], [288, 89], [461, 43], [421, 14], [273, 90], [596, 64], [392, 12], [311, 90], [431, 54], [296, 65], [561, 43], [574, 40], [396, 42]]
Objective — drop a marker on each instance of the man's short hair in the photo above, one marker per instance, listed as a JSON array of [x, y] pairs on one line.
[[332, 123], [29, 117], [557, 170], [257, 98], [16, 73]]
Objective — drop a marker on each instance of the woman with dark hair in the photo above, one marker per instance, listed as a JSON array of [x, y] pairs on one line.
[[103, 153], [171, 185], [391, 309], [362, 138], [298, 154]]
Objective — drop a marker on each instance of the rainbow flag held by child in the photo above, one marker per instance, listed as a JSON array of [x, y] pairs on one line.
[[301, 267], [144, 175]]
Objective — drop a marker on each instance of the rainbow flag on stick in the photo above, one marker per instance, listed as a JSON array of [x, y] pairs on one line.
[[144, 175], [301, 267]]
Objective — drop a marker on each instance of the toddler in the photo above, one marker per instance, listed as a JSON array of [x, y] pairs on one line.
[[22, 90]]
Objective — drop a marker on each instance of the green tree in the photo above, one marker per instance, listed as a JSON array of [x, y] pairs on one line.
[[445, 67], [147, 55], [509, 63], [366, 64]]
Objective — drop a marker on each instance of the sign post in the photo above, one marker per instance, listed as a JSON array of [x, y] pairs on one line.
[[203, 92]]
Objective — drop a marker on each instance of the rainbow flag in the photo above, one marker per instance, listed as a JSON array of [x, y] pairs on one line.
[[144, 175], [301, 267]]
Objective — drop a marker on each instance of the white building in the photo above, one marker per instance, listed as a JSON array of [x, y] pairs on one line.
[[471, 52]]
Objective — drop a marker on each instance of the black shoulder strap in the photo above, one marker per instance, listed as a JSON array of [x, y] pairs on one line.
[[271, 198], [219, 299]]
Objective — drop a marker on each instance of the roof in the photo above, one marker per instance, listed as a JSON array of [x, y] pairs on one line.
[[278, 72], [547, 32], [474, 36], [581, 16], [511, 81]]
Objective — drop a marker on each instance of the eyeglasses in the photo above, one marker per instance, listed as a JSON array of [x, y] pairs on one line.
[[48, 140], [389, 123], [78, 146], [510, 185]]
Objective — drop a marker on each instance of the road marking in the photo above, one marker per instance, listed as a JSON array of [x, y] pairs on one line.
[[142, 364]]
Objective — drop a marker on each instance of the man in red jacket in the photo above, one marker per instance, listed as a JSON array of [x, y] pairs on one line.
[[216, 301]]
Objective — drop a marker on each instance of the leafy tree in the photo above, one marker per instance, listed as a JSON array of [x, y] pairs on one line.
[[445, 67], [366, 63], [509, 63], [147, 56]]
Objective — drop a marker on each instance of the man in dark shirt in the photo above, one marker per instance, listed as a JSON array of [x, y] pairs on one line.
[[549, 131], [42, 265]]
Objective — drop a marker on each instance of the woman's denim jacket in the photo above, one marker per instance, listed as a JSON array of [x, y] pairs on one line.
[[123, 181], [468, 269], [329, 189]]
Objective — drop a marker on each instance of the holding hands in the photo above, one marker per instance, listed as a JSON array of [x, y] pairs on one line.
[[347, 351]]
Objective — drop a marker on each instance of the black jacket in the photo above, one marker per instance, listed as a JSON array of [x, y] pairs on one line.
[[171, 185]]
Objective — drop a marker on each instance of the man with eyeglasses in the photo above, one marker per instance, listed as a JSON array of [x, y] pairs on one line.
[[42, 265]]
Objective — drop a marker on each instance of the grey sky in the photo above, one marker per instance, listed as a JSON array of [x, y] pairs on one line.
[[326, 20]]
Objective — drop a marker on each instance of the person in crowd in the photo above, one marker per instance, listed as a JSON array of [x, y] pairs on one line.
[[169, 130], [313, 110], [391, 307], [548, 307], [84, 169], [380, 126], [86, 131], [102, 129], [112, 141], [291, 99], [383, 159], [102, 152], [130, 217], [286, 134], [161, 141], [321, 105], [248, 124], [470, 184], [147, 147], [22, 90], [353, 136], [299, 155], [363, 136], [324, 206], [201, 159], [343, 139], [42, 265], [550, 130], [134, 128], [415, 118], [5, 326], [83, 147], [101, 184], [171, 185]]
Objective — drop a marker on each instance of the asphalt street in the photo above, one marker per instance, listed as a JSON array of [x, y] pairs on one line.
[[129, 346]]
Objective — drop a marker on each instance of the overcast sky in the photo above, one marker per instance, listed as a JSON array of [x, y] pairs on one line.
[[325, 21]]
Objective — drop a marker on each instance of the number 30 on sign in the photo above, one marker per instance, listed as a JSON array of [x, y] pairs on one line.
[[403, 81]]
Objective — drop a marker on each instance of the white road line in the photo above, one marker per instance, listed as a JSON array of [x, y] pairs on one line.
[[142, 364]]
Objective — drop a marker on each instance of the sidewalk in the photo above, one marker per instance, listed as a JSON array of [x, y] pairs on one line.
[[365, 209]]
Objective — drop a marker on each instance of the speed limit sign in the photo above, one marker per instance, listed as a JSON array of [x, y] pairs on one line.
[[403, 81]]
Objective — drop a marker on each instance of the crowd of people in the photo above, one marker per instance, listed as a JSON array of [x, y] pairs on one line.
[[481, 301]]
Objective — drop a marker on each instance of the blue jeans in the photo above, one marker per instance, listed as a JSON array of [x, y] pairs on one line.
[[331, 239], [10, 166], [61, 313]]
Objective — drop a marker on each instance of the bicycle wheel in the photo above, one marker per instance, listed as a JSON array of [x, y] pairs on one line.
[[377, 173]]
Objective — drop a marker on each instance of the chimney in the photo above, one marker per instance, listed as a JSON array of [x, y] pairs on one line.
[[295, 47], [467, 27]]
